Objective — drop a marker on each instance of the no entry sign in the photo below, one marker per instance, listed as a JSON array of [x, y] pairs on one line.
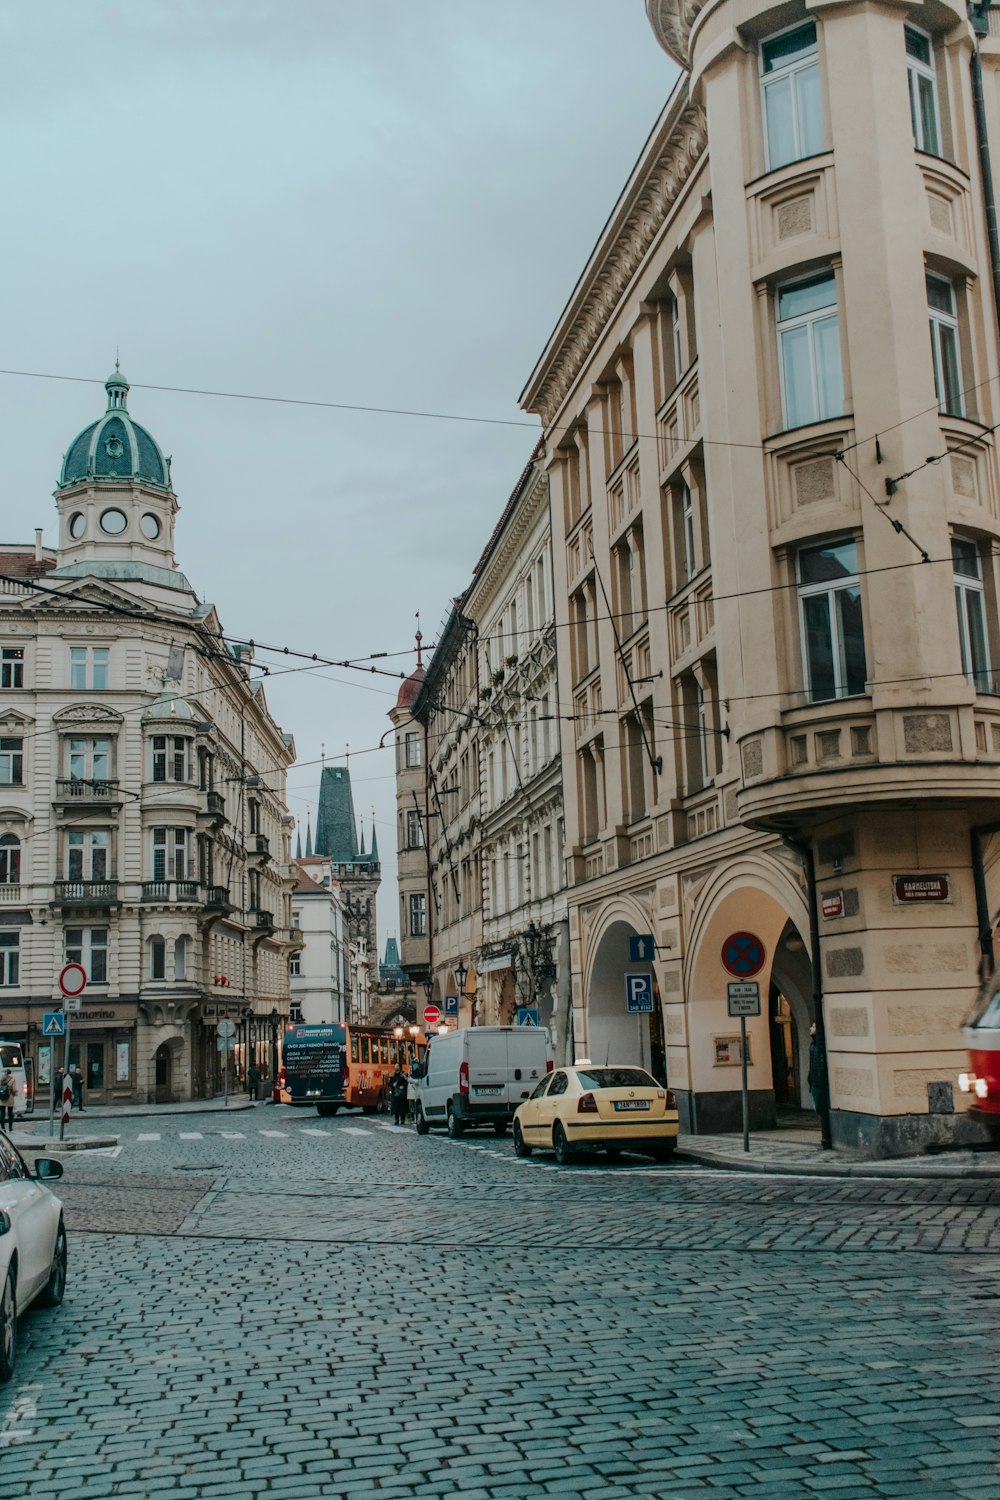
[[743, 955], [432, 1015]]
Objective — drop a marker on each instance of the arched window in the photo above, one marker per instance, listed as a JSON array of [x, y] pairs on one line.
[[157, 958], [10, 859], [180, 958]]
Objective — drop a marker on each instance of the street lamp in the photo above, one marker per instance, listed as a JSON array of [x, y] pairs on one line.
[[461, 974], [428, 987]]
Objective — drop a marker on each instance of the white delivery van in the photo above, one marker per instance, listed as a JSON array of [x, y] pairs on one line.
[[479, 1075]]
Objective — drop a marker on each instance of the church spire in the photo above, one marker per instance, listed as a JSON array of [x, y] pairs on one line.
[[309, 839], [298, 843]]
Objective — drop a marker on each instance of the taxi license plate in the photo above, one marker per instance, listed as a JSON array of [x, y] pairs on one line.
[[624, 1104], [482, 1090]]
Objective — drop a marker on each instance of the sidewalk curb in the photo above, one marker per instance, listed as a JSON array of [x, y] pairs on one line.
[[153, 1111], [91, 1143], [834, 1169]]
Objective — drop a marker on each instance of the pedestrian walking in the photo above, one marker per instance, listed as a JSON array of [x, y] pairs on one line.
[[815, 1076], [76, 1077], [57, 1088], [397, 1096], [8, 1093], [253, 1081]]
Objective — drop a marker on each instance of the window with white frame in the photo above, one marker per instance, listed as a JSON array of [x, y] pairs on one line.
[[11, 762], [180, 958], [88, 667], [812, 382], [88, 946], [295, 966], [88, 854], [170, 757], [12, 667], [10, 859], [922, 82], [10, 958], [414, 830], [833, 638], [945, 352], [418, 915], [793, 101], [686, 518], [170, 853], [971, 605], [89, 760], [413, 749]]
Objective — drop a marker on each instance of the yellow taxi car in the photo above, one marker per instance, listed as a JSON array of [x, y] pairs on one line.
[[614, 1108]]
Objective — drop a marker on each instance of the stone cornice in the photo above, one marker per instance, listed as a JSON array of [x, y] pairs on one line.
[[671, 21], [497, 565], [671, 155]]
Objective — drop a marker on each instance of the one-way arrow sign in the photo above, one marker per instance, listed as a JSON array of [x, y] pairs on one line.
[[53, 1023]]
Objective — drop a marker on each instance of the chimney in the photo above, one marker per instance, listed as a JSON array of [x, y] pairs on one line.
[[38, 544]]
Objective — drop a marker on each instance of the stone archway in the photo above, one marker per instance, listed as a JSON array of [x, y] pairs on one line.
[[761, 895], [613, 1034]]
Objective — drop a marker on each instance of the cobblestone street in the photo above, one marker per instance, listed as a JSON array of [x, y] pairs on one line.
[[298, 1307]]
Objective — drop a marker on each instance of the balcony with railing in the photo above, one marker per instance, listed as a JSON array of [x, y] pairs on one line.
[[79, 791], [86, 893], [170, 892], [260, 844], [217, 898], [10, 892], [214, 811], [262, 920]]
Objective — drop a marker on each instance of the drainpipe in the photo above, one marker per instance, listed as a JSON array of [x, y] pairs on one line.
[[983, 921], [804, 851], [980, 26]]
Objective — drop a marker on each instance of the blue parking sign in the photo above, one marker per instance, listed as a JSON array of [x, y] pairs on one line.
[[639, 993], [451, 1005]]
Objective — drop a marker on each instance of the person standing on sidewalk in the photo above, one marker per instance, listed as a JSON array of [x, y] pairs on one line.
[[815, 1075], [77, 1078], [397, 1096], [253, 1082], [8, 1093]]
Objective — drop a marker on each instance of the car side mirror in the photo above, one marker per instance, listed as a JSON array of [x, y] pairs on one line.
[[47, 1167]]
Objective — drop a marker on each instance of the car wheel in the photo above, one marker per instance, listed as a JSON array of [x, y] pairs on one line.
[[455, 1126], [521, 1147], [561, 1146], [423, 1124], [612, 1152], [8, 1326], [500, 1128], [372, 1109], [52, 1293], [326, 1110]]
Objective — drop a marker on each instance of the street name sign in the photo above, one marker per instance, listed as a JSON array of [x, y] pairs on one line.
[[641, 949], [639, 993], [53, 1023], [743, 998], [743, 955]]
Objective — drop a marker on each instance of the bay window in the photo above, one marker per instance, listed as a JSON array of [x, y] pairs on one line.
[[945, 353], [170, 853], [922, 83], [971, 605], [808, 325], [793, 102]]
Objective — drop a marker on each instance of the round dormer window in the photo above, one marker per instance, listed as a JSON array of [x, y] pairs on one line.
[[150, 526], [77, 524], [114, 522]]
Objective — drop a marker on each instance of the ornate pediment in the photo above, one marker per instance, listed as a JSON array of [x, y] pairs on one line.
[[86, 713], [12, 721], [671, 21]]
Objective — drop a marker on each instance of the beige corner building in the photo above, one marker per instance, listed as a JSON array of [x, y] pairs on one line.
[[777, 618]]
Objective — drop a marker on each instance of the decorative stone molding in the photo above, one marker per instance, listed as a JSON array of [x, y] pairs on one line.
[[671, 21], [86, 713], [653, 199]]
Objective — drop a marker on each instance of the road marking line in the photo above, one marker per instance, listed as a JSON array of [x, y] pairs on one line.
[[153, 1136], [352, 1130], [23, 1410], [191, 1135], [384, 1125], [282, 1135], [232, 1135], [305, 1131]]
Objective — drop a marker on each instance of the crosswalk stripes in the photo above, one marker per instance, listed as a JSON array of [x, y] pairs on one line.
[[323, 1133], [153, 1135], [352, 1130], [281, 1135], [232, 1135], [190, 1135]]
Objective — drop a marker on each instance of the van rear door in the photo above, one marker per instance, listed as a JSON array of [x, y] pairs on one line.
[[487, 1059], [527, 1058]]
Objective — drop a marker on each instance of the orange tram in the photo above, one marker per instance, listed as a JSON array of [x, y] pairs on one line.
[[342, 1065], [982, 1039]]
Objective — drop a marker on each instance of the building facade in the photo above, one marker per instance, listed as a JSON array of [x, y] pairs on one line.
[[412, 866], [358, 873], [143, 828], [777, 619], [523, 964], [320, 971]]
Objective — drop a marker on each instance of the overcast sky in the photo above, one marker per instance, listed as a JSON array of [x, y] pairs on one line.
[[382, 202]]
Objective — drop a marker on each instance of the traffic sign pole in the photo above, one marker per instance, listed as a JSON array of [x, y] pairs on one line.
[[67, 1084], [743, 1075]]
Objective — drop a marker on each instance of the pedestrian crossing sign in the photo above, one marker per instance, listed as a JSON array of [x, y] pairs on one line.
[[53, 1023], [527, 1015]]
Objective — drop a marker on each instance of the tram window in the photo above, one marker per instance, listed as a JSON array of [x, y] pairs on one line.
[[384, 1048], [354, 1049], [364, 1049], [393, 1054]]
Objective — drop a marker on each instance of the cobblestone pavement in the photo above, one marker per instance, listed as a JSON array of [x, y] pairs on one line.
[[293, 1307]]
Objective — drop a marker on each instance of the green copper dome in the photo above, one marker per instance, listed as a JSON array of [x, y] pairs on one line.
[[115, 447]]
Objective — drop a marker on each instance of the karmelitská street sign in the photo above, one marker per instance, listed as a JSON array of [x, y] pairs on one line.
[[641, 949], [53, 1023], [743, 998], [639, 993]]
